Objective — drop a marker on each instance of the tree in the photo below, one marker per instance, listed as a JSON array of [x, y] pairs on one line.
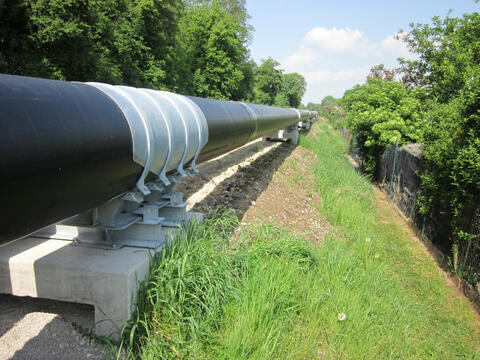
[[281, 100], [237, 8], [156, 24], [244, 92], [268, 81], [112, 41], [273, 87], [381, 72], [214, 49], [293, 89], [446, 51], [328, 100]]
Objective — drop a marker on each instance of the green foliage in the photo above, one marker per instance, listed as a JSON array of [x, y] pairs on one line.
[[348, 202], [448, 69], [244, 91], [334, 114], [293, 89], [439, 105], [198, 47], [380, 72], [266, 294], [156, 24], [182, 302], [214, 47], [111, 41], [329, 109], [328, 100], [314, 107], [196, 282], [273, 87], [237, 8], [281, 100], [381, 113], [451, 163], [448, 52], [268, 81]]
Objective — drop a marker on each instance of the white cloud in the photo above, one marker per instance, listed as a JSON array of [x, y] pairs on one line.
[[335, 40], [395, 46], [306, 56], [330, 82], [333, 60]]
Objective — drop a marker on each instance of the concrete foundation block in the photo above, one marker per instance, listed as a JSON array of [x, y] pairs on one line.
[[55, 269]]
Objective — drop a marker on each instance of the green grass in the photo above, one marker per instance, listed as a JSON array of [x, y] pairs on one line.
[[266, 294], [402, 305]]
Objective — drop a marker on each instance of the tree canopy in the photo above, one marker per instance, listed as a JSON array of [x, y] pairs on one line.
[[328, 100], [448, 55], [214, 49], [294, 86], [195, 47], [273, 87], [268, 81], [111, 41]]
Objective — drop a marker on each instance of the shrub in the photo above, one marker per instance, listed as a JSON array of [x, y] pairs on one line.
[[381, 113], [448, 69], [451, 167]]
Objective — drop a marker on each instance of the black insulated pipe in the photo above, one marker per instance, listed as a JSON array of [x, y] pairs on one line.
[[64, 148], [233, 124], [68, 147]]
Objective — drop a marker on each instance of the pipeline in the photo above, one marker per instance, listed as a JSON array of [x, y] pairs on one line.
[[67, 147]]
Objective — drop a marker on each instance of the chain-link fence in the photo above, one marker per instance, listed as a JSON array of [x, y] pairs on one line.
[[467, 252], [399, 174], [352, 146]]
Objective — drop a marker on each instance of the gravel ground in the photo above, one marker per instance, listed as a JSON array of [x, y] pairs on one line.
[[42, 329]]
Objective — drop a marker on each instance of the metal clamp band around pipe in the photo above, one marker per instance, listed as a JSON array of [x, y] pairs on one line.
[[168, 130], [162, 175], [202, 127], [142, 150]]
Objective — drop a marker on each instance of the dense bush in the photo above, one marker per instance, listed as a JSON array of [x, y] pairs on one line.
[[381, 113], [451, 176], [448, 68]]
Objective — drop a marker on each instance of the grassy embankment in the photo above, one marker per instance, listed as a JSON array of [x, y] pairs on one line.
[[268, 295]]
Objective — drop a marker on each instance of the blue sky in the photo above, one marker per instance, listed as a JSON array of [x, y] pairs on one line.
[[334, 43]]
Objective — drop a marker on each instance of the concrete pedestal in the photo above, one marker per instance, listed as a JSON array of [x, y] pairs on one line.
[[54, 269]]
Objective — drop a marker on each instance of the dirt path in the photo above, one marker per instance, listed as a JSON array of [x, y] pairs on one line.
[[274, 188]]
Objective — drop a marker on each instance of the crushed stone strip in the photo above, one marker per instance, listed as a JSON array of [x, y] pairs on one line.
[[210, 186]]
